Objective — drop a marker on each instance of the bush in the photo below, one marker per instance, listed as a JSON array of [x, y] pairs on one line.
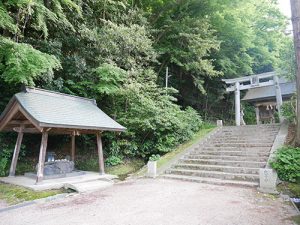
[[5, 156], [3, 166], [90, 163], [154, 157], [289, 110], [249, 114], [113, 161], [287, 164], [155, 123]]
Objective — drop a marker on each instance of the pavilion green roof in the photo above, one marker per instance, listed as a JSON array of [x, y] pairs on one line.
[[53, 109]]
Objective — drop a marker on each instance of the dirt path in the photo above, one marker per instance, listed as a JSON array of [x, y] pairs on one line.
[[157, 202]]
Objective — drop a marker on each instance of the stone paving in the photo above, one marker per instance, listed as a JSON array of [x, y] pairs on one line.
[[158, 202]]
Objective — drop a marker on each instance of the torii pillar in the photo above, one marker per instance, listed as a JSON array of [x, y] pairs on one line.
[[249, 82], [237, 104], [278, 97]]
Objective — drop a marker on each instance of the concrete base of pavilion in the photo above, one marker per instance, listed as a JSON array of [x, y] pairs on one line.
[[86, 182]]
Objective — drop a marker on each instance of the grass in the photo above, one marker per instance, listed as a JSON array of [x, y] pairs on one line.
[[165, 159], [295, 189], [14, 194], [291, 189], [296, 219], [169, 156], [126, 168]]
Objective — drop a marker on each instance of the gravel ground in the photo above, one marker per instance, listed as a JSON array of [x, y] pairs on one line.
[[3, 204], [157, 202]]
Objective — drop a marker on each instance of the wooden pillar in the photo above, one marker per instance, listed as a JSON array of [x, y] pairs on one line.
[[43, 148], [257, 114], [100, 154], [237, 104], [73, 148], [14, 161], [278, 97]]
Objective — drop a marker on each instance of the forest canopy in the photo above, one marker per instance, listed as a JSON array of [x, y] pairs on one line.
[[117, 51]]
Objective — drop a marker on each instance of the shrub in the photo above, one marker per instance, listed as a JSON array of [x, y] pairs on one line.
[[249, 114], [113, 161], [5, 155], [154, 157], [289, 110], [3, 165], [90, 163], [287, 164]]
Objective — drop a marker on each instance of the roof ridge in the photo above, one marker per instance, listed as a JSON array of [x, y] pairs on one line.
[[56, 94]]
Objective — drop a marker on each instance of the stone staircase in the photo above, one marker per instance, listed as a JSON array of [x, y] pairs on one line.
[[233, 156]]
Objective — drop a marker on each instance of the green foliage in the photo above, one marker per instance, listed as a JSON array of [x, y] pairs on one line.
[[154, 157], [90, 163], [249, 114], [289, 110], [6, 21], [5, 156], [287, 164], [154, 122], [116, 52], [287, 66], [113, 161], [110, 79], [126, 46], [3, 166], [21, 63]]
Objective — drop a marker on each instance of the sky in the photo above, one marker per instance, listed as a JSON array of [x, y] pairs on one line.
[[285, 7]]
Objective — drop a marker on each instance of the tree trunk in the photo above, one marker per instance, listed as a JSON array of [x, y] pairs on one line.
[[295, 7]]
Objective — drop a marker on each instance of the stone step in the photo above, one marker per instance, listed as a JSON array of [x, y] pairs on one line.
[[255, 135], [239, 145], [89, 186], [231, 153], [228, 141], [243, 138], [207, 180], [215, 174], [226, 148], [227, 169], [249, 164], [228, 158], [224, 130], [250, 128], [225, 152]]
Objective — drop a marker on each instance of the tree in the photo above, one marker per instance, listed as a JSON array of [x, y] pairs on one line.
[[295, 7]]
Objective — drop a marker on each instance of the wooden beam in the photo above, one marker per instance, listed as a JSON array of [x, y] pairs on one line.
[[73, 148], [43, 148], [33, 121], [19, 122], [100, 154], [9, 115], [26, 130], [14, 161]]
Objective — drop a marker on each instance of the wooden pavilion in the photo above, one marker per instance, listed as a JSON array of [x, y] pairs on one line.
[[46, 112]]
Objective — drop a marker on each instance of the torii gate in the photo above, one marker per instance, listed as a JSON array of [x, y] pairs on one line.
[[249, 82]]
